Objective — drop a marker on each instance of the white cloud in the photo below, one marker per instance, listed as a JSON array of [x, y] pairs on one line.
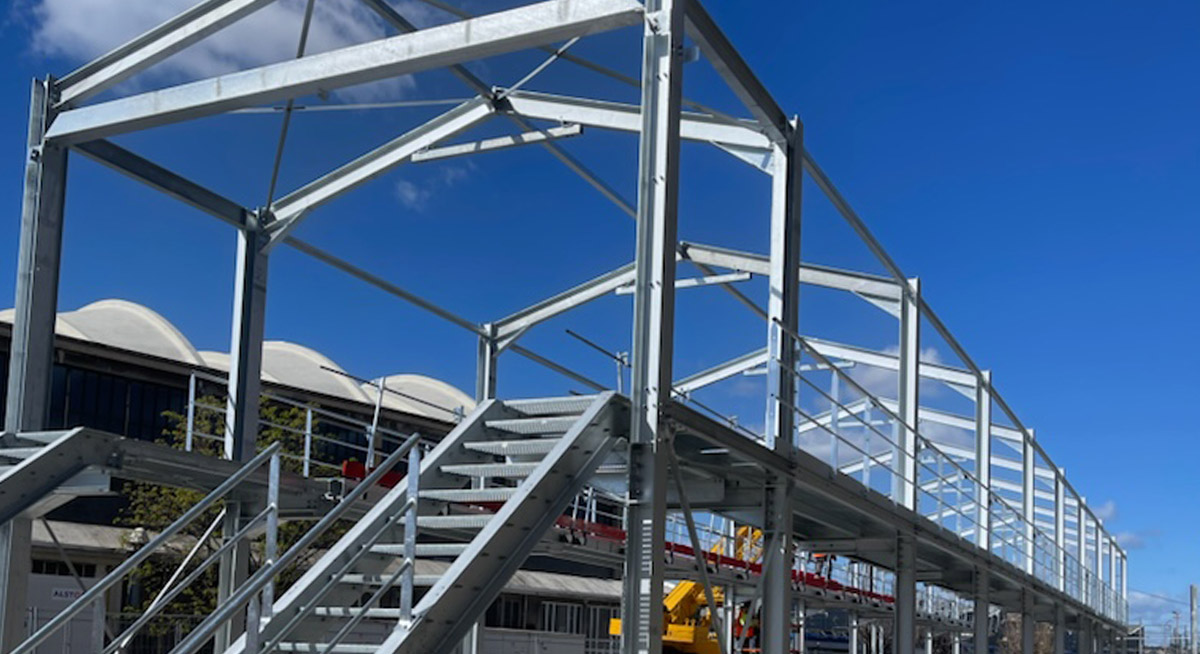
[[80, 30], [1130, 540], [416, 196], [411, 195], [1106, 511]]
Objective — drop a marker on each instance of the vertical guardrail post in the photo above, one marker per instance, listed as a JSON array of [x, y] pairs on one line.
[[1060, 529], [271, 547], [191, 412], [1081, 546], [410, 536], [308, 436]]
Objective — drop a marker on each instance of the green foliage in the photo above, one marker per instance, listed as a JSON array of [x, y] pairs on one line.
[[153, 507]]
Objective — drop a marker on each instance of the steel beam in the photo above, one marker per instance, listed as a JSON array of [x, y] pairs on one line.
[[289, 210], [626, 118], [721, 371], [165, 181], [864, 284], [498, 143], [910, 352], [737, 73], [485, 369], [783, 313], [31, 352], [653, 325], [946, 374], [152, 47], [445, 45], [245, 361], [698, 282], [565, 301]]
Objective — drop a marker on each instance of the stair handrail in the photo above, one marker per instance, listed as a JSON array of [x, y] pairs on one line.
[[96, 591], [205, 630]]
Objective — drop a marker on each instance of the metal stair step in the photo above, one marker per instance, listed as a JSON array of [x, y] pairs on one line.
[[20, 453], [351, 611], [550, 406], [476, 521], [423, 549], [377, 580], [468, 494], [512, 470], [514, 448], [340, 648], [537, 425]]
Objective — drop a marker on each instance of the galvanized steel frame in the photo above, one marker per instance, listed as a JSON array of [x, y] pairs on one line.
[[771, 141]]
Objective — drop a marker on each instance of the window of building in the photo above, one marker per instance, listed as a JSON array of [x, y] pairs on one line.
[[61, 569], [562, 617]]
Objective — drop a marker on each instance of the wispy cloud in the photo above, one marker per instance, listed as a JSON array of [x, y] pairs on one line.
[[1136, 540], [80, 30], [416, 195], [1106, 511]]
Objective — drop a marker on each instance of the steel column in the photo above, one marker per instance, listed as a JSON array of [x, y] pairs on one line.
[[242, 401], [783, 313], [1194, 644], [1027, 501], [1028, 624], [31, 353], [983, 459], [981, 610], [1060, 628], [1082, 530], [1060, 529], [910, 352], [485, 371], [904, 630], [654, 325]]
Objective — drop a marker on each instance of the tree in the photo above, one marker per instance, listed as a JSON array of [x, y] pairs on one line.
[[153, 507]]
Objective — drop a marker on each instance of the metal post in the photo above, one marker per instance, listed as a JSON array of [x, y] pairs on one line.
[[1060, 529], [1027, 496], [1060, 628], [242, 404], [910, 352], [308, 435], [928, 641], [1081, 529], [852, 647], [783, 313], [485, 370], [410, 537], [981, 610], [983, 458], [904, 634], [1027, 622], [654, 324], [31, 353], [271, 547], [1195, 647], [191, 413]]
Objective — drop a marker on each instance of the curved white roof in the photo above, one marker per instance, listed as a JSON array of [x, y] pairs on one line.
[[131, 326], [421, 395]]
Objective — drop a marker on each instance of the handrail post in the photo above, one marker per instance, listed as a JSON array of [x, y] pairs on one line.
[[308, 435], [191, 412], [410, 537], [271, 547]]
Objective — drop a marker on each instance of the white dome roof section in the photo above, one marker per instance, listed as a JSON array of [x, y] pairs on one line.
[[60, 326], [296, 365], [131, 326], [424, 396]]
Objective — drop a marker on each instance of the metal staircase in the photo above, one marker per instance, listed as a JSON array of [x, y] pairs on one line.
[[485, 496]]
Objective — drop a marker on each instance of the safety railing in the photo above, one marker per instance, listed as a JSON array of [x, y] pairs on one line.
[[944, 490], [254, 596], [266, 519], [318, 448]]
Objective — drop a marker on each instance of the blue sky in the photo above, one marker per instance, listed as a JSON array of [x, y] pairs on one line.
[[1034, 163]]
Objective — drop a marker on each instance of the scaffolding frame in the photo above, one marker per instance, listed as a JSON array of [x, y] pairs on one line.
[[62, 121]]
